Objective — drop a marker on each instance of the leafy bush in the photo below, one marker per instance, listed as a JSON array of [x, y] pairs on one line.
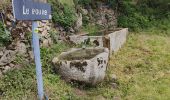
[[4, 35], [84, 2], [143, 14], [63, 15]]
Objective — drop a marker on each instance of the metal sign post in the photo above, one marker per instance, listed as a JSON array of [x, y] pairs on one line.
[[33, 10], [36, 49]]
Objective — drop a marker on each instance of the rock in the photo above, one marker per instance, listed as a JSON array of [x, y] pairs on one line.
[[84, 11], [79, 21], [44, 34], [100, 98], [114, 77], [1, 53], [71, 30], [114, 85], [6, 68], [11, 65], [21, 48], [60, 28], [9, 23], [47, 27], [117, 98], [47, 42], [50, 42], [31, 54], [41, 29], [7, 57]]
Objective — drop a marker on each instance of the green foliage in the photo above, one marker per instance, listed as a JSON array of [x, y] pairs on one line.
[[5, 37], [54, 35], [91, 29], [18, 84], [143, 14], [63, 15], [47, 54], [84, 2]]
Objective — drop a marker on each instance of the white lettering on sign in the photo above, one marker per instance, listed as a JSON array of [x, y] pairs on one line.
[[25, 11], [34, 11]]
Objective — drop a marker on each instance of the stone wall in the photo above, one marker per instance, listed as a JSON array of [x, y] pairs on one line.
[[102, 15]]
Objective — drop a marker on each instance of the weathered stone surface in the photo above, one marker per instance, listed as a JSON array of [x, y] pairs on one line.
[[21, 48], [84, 11], [7, 57], [93, 40], [79, 22], [83, 65], [113, 40], [6, 68], [47, 42], [117, 39]]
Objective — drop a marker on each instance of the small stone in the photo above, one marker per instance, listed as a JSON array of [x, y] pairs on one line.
[[45, 43], [55, 60], [24, 24], [47, 28], [11, 65], [61, 29], [44, 33], [100, 98], [116, 98], [114, 77], [31, 55], [114, 85], [8, 23], [50, 42], [41, 29], [84, 11], [21, 48], [6, 68], [1, 53], [71, 30]]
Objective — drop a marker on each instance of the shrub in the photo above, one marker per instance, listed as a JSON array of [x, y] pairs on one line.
[[5, 37], [142, 14], [63, 15]]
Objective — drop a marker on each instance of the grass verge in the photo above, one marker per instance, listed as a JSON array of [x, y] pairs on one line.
[[142, 68]]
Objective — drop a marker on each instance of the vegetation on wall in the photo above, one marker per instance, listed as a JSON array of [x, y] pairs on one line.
[[5, 37], [63, 14]]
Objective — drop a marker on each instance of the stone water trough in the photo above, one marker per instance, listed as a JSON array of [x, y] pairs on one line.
[[83, 65], [112, 39]]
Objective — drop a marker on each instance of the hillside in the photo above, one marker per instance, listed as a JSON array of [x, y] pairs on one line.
[[138, 70]]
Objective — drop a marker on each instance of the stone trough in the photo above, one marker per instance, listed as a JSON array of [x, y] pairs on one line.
[[112, 39], [83, 65]]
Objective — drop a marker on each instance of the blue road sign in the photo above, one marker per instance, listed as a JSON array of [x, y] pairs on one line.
[[28, 10]]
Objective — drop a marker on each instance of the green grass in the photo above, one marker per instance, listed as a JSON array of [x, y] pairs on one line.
[[142, 67]]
